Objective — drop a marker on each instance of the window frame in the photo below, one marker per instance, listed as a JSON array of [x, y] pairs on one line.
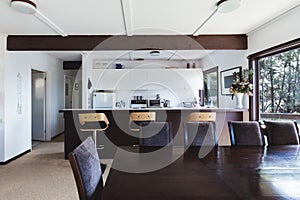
[[213, 70], [253, 64]]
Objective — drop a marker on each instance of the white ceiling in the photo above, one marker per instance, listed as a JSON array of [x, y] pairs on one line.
[[140, 17]]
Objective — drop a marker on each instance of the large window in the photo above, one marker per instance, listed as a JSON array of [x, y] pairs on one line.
[[277, 82], [280, 83]]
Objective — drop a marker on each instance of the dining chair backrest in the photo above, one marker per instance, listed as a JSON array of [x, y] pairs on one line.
[[245, 133], [282, 132], [155, 134], [87, 171], [200, 129]]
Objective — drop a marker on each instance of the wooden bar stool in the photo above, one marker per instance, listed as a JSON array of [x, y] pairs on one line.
[[96, 118], [137, 118], [202, 117], [200, 129]]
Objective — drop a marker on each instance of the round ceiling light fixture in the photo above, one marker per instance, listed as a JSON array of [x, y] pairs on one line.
[[24, 6], [226, 6], [154, 53]]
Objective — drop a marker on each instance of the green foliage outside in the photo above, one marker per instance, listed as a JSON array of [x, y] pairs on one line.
[[280, 83]]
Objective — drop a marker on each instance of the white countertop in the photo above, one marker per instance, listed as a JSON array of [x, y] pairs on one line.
[[164, 108]]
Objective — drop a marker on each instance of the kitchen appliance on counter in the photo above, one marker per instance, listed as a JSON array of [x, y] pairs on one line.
[[103, 99], [190, 104], [155, 103], [141, 103]]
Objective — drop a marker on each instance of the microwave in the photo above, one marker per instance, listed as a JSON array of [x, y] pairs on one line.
[[155, 103]]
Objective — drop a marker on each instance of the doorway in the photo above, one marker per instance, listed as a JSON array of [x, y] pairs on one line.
[[68, 91], [38, 105]]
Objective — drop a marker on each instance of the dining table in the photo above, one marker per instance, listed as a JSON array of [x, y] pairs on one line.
[[220, 172]]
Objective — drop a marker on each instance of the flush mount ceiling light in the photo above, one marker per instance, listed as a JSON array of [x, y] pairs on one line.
[[29, 7], [24, 6], [223, 6]]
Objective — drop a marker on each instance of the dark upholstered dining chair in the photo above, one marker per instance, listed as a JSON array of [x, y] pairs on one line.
[[155, 134], [282, 132], [200, 129], [87, 171], [245, 133]]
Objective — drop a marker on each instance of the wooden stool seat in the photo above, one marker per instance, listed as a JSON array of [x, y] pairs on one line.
[[140, 117], [93, 117]]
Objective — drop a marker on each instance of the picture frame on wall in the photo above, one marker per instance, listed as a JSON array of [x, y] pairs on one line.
[[227, 78]]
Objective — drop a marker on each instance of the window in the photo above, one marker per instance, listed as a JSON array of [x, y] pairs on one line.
[[280, 83], [276, 82]]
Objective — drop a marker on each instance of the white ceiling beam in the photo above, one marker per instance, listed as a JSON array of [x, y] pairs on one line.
[[127, 16]]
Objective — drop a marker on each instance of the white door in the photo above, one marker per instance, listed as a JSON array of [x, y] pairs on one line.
[[68, 91], [38, 105]]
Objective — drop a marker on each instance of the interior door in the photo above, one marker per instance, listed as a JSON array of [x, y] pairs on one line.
[[38, 106], [68, 91]]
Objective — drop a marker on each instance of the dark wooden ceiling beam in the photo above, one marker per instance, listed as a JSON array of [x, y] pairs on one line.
[[108, 42]]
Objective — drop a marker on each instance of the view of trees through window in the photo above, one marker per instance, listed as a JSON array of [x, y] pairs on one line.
[[280, 83]]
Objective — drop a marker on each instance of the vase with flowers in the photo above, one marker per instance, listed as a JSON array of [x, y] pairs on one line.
[[241, 86]]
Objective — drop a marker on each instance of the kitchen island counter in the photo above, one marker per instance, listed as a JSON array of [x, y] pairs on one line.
[[212, 109], [120, 134]]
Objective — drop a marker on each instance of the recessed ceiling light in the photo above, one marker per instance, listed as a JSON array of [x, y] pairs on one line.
[[225, 6], [24, 6]]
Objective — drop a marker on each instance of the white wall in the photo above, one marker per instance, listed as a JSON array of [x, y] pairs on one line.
[[2, 52], [225, 59], [17, 128], [176, 85], [281, 30], [127, 85]]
